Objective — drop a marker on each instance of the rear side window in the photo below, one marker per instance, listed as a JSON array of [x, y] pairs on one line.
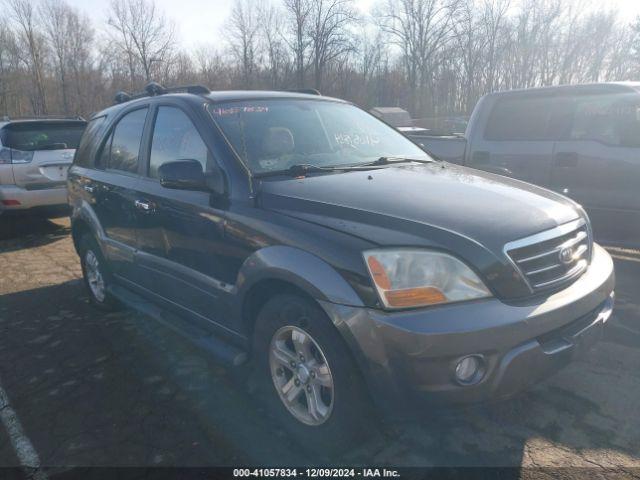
[[84, 156], [610, 119], [42, 135], [175, 138], [122, 149], [520, 119]]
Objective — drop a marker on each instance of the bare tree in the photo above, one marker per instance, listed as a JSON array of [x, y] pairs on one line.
[[370, 62], [24, 15], [211, 67], [7, 64], [623, 60], [299, 13], [81, 39], [55, 19], [243, 30], [434, 57], [143, 33], [493, 19], [272, 43], [419, 28], [329, 33], [471, 45]]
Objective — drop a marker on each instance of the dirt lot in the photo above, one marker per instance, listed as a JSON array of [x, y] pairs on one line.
[[116, 389]]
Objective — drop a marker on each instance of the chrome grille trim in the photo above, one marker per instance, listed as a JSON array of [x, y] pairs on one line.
[[569, 243], [537, 257], [580, 267], [545, 269]]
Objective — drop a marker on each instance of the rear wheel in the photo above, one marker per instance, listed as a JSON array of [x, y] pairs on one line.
[[306, 375], [96, 274]]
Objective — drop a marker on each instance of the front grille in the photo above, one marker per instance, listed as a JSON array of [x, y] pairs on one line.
[[552, 258]]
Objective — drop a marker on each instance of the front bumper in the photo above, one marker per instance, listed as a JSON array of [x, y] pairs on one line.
[[409, 357], [31, 198]]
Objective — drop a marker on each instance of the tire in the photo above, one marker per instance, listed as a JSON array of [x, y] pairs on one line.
[[341, 410], [95, 274]]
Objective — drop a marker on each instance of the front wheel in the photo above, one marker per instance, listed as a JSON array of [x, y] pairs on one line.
[[301, 375], [306, 375]]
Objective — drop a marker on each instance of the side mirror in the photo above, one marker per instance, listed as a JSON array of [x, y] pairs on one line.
[[182, 175]]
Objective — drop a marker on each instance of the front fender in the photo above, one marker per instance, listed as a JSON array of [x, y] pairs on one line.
[[302, 269]]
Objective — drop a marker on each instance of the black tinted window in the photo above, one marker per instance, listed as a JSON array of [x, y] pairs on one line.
[[87, 142], [175, 138], [610, 119], [125, 142], [520, 119], [30, 136]]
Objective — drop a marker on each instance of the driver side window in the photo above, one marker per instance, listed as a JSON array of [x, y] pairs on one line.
[[175, 138]]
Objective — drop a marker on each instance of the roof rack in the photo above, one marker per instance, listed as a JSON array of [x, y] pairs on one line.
[[308, 91], [153, 89], [9, 118]]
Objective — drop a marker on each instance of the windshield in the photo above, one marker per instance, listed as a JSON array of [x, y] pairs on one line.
[[272, 135], [30, 136]]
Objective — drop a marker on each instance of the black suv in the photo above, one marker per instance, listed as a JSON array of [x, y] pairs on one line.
[[302, 236]]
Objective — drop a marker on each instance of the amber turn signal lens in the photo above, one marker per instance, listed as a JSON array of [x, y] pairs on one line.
[[414, 297], [378, 274]]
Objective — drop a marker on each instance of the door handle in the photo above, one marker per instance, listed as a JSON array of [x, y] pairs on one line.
[[146, 207], [566, 159], [89, 188]]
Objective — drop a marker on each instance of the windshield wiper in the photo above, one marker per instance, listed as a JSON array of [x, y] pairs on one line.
[[390, 160], [303, 169], [298, 170]]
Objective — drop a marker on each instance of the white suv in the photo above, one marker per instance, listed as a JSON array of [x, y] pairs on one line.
[[34, 157]]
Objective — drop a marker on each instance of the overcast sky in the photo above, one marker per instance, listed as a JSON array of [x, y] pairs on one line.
[[202, 21]]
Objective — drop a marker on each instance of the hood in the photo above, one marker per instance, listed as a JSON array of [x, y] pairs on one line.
[[421, 200]]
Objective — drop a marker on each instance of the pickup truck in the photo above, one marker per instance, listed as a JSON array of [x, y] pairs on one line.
[[582, 141]]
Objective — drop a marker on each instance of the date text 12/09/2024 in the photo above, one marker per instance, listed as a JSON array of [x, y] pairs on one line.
[[316, 472]]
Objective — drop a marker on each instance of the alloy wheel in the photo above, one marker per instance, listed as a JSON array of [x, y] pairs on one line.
[[301, 375], [94, 276]]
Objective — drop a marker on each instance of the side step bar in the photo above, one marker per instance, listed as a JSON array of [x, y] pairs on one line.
[[225, 353]]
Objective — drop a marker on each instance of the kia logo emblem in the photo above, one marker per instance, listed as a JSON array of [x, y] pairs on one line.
[[566, 255]]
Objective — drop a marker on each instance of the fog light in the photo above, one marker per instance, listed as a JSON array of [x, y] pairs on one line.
[[469, 369]]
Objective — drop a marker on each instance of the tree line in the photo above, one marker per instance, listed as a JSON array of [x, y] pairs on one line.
[[432, 57]]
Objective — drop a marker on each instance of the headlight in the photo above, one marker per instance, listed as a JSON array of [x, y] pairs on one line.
[[407, 277]]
